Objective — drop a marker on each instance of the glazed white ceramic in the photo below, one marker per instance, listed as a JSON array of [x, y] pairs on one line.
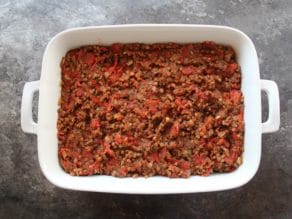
[[49, 93]]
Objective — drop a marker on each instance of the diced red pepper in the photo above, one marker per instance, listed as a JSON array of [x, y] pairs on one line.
[[95, 165], [162, 153], [71, 75], [78, 84], [232, 68], [155, 157], [123, 171], [116, 47], [108, 150], [185, 165], [64, 152], [174, 129], [235, 96], [87, 154], [89, 59], [67, 164], [135, 84], [180, 103], [231, 158], [186, 50], [113, 78], [211, 143], [108, 107], [209, 120], [66, 106], [153, 109], [118, 117], [118, 139], [203, 129], [187, 70], [152, 102], [221, 53], [152, 105], [116, 60], [207, 172], [99, 141], [235, 136], [141, 113], [222, 141], [235, 86], [199, 159], [213, 140], [116, 96], [115, 74], [113, 162], [93, 67], [79, 92], [79, 54], [95, 124], [240, 116], [202, 95], [130, 140], [61, 136], [172, 160], [111, 69], [137, 165], [95, 100], [203, 141], [73, 154], [209, 44]]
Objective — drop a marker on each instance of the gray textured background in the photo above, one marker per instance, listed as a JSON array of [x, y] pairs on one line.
[[25, 29]]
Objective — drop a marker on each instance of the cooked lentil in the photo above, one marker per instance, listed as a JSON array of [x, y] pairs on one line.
[[142, 110]]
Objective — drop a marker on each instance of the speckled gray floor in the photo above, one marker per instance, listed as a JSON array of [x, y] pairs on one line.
[[25, 29]]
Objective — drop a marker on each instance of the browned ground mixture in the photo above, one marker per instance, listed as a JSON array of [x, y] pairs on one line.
[[141, 110]]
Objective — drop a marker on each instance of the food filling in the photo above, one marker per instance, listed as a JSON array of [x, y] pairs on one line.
[[130, 110]]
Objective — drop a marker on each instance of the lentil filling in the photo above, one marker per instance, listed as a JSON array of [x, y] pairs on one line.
[[169, 109]]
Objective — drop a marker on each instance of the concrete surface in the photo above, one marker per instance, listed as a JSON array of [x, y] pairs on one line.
[[25, 29]]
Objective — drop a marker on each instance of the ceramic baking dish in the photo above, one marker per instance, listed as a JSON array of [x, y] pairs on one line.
[[49, 93]]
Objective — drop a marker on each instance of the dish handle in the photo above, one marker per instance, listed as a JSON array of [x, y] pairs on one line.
[[273, 122], [28, 125]]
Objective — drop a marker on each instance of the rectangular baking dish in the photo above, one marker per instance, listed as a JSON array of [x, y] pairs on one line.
[[49, 93]]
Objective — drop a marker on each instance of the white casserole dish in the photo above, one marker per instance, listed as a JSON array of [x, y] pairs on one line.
[[49, 92]]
